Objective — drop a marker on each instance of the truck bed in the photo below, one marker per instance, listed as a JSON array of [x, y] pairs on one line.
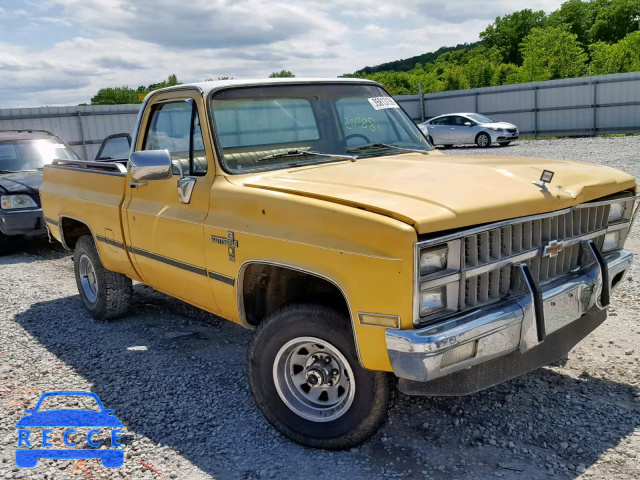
[[93, 192]]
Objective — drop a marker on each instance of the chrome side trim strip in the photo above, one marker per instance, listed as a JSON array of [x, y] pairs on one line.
[[108, 241], [51, 221], [169, 261], [178, 264], [222, 278]]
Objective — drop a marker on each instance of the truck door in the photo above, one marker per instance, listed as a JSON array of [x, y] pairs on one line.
[[165, 217]]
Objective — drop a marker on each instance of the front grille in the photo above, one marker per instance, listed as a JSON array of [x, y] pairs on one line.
[[521, 238], [512, 130]]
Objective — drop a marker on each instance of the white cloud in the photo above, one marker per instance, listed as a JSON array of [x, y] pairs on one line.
[[100, 43]]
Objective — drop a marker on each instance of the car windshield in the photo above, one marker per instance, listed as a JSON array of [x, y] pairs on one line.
[[476, 117], [23, 155], [276, 126]]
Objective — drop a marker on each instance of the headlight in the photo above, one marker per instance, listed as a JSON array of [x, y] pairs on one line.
[[616, 212], [433, 260], [433, 300], [611, 241], [9, 202]]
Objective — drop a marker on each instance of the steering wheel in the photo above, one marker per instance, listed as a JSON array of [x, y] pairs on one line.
[[354, 135]]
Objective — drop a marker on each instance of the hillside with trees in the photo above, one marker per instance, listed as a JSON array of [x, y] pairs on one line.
[[580, 38]]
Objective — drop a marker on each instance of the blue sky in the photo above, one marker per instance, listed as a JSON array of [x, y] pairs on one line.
[[60, 52]]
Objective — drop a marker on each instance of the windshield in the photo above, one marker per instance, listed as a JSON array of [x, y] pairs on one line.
[[21, 155], [270, 127], [476, 117]]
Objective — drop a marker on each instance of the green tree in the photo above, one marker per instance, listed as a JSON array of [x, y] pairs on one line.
[[551, 53], [125, 95], [615, 19], [578, 16], [620, 57], [115, 96], [480, 67], [509, 31], [506, 74], [282, 74]]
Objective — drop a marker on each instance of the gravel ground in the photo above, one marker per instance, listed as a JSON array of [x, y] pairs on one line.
[[175, 377]]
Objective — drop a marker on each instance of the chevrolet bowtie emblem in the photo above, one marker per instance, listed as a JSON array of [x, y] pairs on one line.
[[552, 249]]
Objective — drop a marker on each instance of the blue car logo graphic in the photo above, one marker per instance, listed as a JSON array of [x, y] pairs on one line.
[[70, 419]]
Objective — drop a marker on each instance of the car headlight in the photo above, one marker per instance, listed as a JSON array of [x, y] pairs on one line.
[[433, 300], [9, 202], [611, 241], [616, 212], [433, 260]]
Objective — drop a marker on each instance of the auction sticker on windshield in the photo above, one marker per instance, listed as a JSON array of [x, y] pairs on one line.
[[380, 103]]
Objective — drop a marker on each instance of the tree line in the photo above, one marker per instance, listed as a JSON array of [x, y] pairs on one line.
[[580, 38], [126, 95]]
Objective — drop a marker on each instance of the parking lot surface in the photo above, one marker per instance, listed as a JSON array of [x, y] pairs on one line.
[[175, 376]]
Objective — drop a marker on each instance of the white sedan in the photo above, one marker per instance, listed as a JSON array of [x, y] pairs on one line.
[[467, 128]]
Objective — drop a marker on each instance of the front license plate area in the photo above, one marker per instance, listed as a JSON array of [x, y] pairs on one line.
[[561, 310]]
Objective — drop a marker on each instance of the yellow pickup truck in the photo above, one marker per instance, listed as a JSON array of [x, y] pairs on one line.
[[316, 213]]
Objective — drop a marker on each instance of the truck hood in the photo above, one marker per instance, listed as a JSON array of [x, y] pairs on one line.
[[440, 192], [20, 182]]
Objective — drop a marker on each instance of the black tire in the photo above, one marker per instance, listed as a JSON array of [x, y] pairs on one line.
[[447, 146], [114, 290], [372, 393], [7, 244], [430, 138], [483, 140], [504, 144]]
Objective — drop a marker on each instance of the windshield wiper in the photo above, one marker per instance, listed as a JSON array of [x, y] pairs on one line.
[[8, 171], [377, 146], [298, 153]]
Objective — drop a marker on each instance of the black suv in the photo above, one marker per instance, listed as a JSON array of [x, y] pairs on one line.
[[23, 153]]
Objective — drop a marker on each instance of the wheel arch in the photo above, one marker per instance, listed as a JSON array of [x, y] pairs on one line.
[[483, 132], [253, 287], [71, 229]]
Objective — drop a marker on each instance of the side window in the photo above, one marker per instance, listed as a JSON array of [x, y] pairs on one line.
[[441, 121], [458, 121], [175, 126]]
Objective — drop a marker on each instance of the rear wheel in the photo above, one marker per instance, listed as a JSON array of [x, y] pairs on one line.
[[305, 377], [483, 140], [430, 138], [106, 294]]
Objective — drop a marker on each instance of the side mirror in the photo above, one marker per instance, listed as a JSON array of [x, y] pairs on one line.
[[468, 124], [150, 165]]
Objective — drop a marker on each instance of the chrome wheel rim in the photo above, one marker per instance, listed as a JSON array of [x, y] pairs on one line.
[[88, 280], [482, 140], [314, 379]]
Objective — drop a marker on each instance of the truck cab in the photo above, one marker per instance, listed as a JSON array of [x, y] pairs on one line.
[[316, 213]]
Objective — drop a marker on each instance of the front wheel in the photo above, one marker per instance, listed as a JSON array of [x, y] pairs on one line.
[[106, 294], [483, 140], [306, 379]]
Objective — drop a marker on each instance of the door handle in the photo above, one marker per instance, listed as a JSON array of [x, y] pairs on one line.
[[137, 184]]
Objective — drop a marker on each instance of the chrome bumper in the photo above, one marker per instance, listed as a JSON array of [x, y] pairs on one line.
[[520, 322]]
